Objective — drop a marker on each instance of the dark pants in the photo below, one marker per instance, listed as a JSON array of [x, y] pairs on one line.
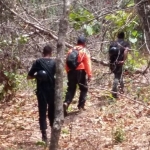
[[118, 78], [77, 77], [45, 102]]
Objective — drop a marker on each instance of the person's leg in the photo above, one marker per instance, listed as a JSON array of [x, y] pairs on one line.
[[51, 107], [70, 90], [71, 87], [115, 84], [117, 79], [82, 82], [120, 76], [42, 108]]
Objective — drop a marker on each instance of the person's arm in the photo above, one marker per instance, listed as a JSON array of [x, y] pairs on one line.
[[32, 71], [125, 54], [30, 77], [87, 64]]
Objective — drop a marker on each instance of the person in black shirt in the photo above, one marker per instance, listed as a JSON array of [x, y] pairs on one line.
[[43, 70], [116, 63]]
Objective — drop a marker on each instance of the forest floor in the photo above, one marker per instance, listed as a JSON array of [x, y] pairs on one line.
[[122, 124]]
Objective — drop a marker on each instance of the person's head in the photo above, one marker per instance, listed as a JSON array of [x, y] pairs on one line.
[[81, 40], [47, 50], [121, 35]]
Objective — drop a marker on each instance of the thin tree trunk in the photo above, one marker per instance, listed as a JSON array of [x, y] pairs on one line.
[[144, 14], [59, 117]]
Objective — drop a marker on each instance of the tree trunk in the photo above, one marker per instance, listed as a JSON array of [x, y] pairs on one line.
[[143, 9], [59, 117]]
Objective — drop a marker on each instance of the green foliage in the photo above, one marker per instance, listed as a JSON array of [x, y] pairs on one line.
[[41, 143], [23, 39], [8, 71], [82, 18], [12, 82], [79, 17], [126, 21], [134, 61], [130, 3], [118, 135], [65, 131]]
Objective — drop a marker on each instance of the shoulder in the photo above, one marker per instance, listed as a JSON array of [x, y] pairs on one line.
[[35, 61], [85, 51], [125, 44], [53, 60], [113, 43], [38, 60]]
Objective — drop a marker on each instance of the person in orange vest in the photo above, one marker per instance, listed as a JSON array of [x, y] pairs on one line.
[[78, 67]]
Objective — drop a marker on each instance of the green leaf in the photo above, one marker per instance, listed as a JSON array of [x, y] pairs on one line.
[[130, 5], [96, 28], [40, 143], [135, 22], [89, 30], [6, 73], [133, 40], [134, 32]]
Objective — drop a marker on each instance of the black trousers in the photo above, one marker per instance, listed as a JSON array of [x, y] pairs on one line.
[[77, 77], [45, 102], [118, 79]]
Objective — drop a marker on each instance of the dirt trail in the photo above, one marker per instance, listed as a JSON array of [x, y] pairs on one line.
[[89, 130]]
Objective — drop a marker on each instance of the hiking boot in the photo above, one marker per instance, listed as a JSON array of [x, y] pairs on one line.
[[121, 91], [114, 95], [81, 108], [44, 136], [65, 106]]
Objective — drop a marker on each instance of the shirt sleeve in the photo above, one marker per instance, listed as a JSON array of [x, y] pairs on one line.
[[87, 63], [33, 69], [54, 66]]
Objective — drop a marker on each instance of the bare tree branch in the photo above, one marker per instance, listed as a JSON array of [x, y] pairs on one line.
[[39, 29]]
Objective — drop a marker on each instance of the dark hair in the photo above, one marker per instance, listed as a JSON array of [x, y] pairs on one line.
[[81, 40], [47, 50], [121, 35]]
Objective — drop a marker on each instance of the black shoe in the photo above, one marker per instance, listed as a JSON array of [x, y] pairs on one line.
[[81, 108], [121, 91], [114, 95], [44, 137], [65, 106]]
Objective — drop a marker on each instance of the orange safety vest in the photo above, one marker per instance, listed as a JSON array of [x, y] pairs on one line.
[[84, 58]]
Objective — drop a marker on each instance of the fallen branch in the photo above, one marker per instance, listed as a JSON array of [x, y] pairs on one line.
[[129, 98], [37, 27], [136, 71], [99, 61]]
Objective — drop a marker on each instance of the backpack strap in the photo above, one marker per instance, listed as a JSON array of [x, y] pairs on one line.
[[119, 46], [80, 48], [84, 51]]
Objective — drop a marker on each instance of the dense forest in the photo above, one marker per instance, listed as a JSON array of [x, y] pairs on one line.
[[27, 26]]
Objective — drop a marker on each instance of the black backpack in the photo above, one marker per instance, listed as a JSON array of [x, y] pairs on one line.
[[72, 59], [42, 75], [114, 52]]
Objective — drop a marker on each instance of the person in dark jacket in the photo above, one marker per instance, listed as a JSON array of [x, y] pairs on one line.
[[78, 76], [116, 65], [43, 70]]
